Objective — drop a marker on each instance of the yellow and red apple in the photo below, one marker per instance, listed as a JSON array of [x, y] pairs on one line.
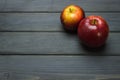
[[71, 16]]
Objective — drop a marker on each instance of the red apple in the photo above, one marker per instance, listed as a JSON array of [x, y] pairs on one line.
[[93, 31], [71, 16]]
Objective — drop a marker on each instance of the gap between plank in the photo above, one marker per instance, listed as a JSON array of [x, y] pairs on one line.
[[27, 31], [23, 54], [56, 11]]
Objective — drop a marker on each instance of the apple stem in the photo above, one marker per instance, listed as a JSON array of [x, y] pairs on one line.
[[70, 10], [94, 21]]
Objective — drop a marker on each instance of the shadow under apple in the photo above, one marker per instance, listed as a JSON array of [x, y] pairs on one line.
[[71, 32], [99, 51]]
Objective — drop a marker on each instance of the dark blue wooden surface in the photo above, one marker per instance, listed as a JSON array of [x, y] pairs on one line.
[[34, 46]]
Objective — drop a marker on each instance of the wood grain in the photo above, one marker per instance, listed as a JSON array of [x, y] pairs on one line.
[[34, 46], [87, 5], [57, 76], [53, 43], [25, 5], [22, 76], [46, 21], [2, 75], [60, 67], [58, 5]]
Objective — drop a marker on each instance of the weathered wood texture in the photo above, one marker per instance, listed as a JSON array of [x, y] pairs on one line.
[[39, 48], [23, 76], [58, 5], [60, 67], [61, 64], [46, 21], [52, 43]]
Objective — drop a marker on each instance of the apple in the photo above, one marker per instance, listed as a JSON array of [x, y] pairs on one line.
[[71, 16], [93, 31]]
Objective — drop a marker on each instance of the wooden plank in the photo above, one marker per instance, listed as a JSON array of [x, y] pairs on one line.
[[87, 5], [57, 76], [3, 75], [58, 5], [53, 43], [60, 67], [2, 2], [37, 76], [23, 76], [46, 21], [25, 5]]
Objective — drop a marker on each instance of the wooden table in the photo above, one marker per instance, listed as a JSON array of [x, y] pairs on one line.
[[34, 46]]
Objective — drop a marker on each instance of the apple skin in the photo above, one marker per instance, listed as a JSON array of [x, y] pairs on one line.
[[93, 31], [71, 16]]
